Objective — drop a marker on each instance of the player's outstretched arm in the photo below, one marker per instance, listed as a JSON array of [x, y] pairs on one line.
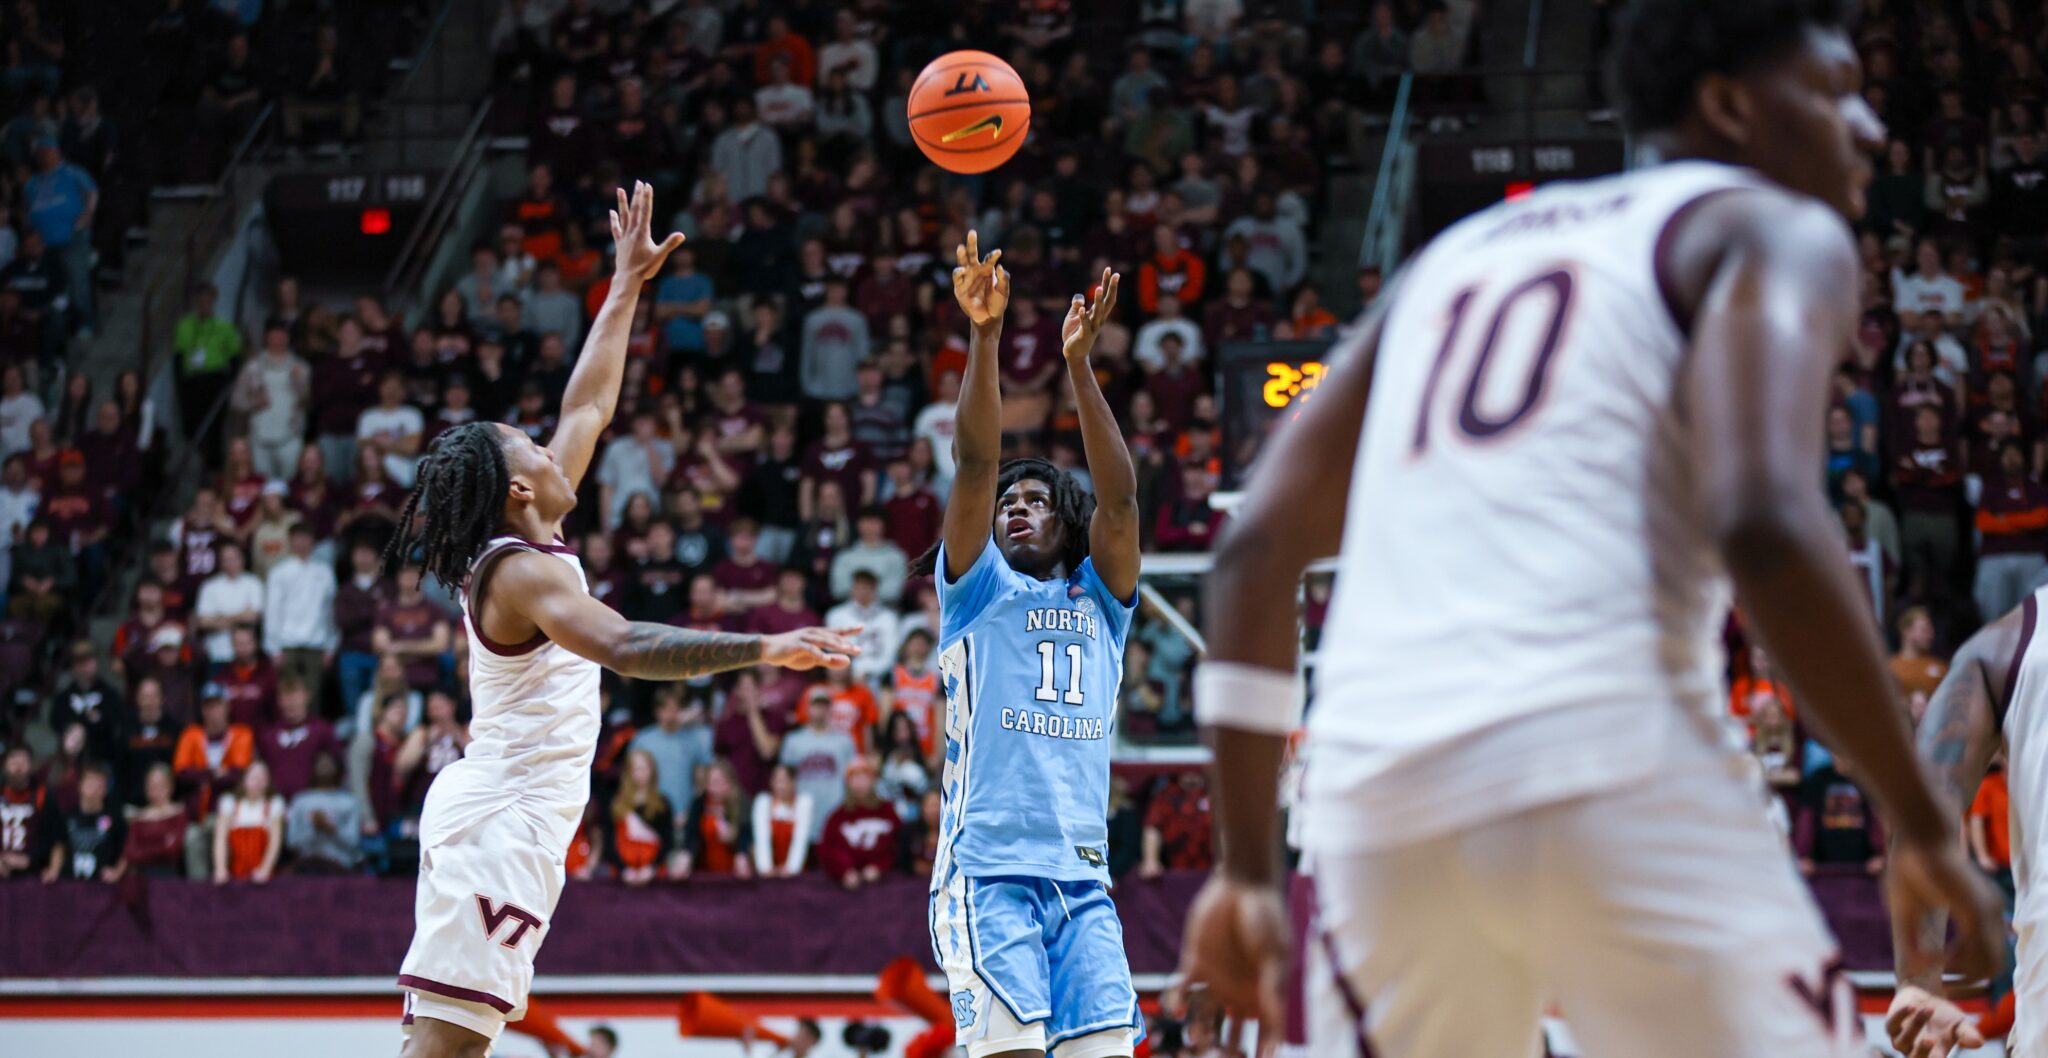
[[1772, 282], [593, 390], [545, 592], [982, 287], [1113, 530], [1956, 740], [1245, 693]]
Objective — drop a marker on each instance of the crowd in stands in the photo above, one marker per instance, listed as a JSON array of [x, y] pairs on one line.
[[273, 703]]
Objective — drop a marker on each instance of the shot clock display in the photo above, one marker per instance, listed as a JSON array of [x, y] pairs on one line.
[[1259, 386], [343, 225]]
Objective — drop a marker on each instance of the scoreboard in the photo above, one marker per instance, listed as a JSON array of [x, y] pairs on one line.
[[344, 224], [1456, 179], [1259, 386]]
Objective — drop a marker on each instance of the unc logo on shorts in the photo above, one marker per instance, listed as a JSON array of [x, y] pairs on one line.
[[963, 1009]]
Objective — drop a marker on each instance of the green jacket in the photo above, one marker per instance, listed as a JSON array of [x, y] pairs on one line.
[[206, 346]]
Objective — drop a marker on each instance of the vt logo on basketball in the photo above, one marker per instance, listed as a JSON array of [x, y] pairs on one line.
[[962, 84], [992, 124]]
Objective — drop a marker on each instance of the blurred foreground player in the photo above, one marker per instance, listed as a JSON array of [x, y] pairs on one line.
[[498, 823], [1580, 417], [1994, 697]]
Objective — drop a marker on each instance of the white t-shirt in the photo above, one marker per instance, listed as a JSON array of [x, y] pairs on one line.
[[858, 57], [17, 413], [221, 596], [1145, 347], [783, 106], [935, 424], [1913, 293], [389, 424], [16, 509]]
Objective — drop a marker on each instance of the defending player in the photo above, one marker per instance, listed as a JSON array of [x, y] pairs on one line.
[[1037, 582], [498, 823], [1581, 416], [1996, 693]]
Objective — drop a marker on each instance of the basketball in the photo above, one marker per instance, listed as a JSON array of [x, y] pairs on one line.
[[969, 111]]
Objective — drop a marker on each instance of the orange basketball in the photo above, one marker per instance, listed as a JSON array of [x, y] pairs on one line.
[[969, 111]]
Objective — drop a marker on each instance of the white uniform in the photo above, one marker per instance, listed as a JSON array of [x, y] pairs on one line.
[[2026, 772], [498, 823], [1516, 792]]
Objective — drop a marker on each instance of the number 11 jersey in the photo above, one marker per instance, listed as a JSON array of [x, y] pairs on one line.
[[1528, 605], [1030, 669]]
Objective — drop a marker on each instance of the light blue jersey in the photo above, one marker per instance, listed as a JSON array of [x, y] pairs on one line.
[[1031, 669]]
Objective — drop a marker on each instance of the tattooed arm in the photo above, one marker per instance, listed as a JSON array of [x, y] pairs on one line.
[[1957, 739], [529, 592]]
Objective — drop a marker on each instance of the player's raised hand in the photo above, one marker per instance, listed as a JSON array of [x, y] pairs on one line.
[[1084, 321], [1236, 948], [980, 284], [635, 253], [812, 648], [1924, 1025]]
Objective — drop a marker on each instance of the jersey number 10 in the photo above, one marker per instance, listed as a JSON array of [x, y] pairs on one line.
[[1048, 653], [1472, 422]]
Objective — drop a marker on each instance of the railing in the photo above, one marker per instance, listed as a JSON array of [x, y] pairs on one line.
[[401, 283], [1382, 221]]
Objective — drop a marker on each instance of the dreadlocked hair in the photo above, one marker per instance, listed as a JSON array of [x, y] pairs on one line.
[[1071, 504], [457, 502]]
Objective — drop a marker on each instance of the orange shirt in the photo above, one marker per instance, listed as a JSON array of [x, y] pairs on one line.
[[1994, 805], [1918, 674], [853, 711], [1748, 692], [918, 695]]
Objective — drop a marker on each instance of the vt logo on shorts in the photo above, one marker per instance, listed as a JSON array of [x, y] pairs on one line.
[[494, 916]]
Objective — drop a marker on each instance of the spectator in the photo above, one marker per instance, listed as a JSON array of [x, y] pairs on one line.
[[19, 500], [1149, 345], [1436, 48], [87, 698], [935, 425], [835, 341], [42, 574], [1239, 316], [681, 301], [782, 826], [298, 614], [248, 832], [231, 597], [902, 779], [1189, 523], [716, 834], [2012, 523], [746, 153], [750, 730], [1380, 54], [1277, 249], [229, 101], [871, 552], [59, 202], [270, 537], [429, 749], [634, 466], [1990, 826], [784, 44], [1926, 289], [877, 623], [1915, 666], [249, 681], [1928, 479], [859, 840], [208, 347], [552, 310], [272, 390], [293, 744], [356, 605], [818, 752], [878, 422], [146, 739], [18, 409], [1177, 827], [414, 629], [642, 822], [24, 818], [323, 90], [784, 102], [394, 426], [679, 743], [324, 825], [88, 842], [1835, 825], [156, 830], [854, 709], [844, 118]]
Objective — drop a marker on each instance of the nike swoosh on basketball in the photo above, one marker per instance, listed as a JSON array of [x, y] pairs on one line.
[[993, 123]]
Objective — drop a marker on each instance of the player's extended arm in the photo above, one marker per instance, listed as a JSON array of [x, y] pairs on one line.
[[1772, 282], [1956, 740], [983, 289], [1113, 530], [546, 593], [1292, 515], [593, 390]]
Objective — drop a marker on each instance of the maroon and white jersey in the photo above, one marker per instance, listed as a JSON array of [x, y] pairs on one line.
[[1528, 605], [533, 726]]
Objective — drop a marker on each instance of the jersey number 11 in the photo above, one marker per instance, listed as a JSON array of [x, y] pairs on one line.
[[1047, 654]]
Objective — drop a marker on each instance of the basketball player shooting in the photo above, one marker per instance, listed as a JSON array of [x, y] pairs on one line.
[[1037, 583], [498, 823], [1579, 420], [1994, 696]]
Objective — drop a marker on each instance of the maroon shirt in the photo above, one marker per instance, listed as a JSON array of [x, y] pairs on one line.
[[115, 462], [355, 613], [914, 519], [1225, 322], [415, 620], [387, 796], [2013, 517], [773, 620], [1026, 352], [319, 506], [251, 692], [843, 464], [754, 576], [346, 386], [198, 559], [733, 739], [291, 751], [1173, 393], [1929, 478], [76, 513], [857, 837]]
